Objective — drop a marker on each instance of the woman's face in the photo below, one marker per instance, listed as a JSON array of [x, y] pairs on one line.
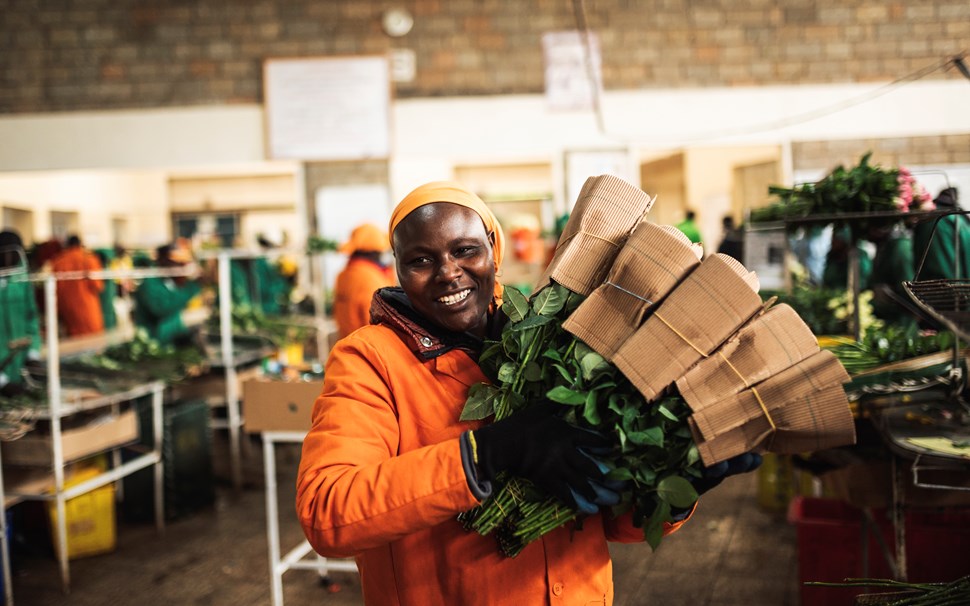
[[445, 265]]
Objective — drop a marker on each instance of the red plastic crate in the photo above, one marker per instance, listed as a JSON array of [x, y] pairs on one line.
[[830, 547]]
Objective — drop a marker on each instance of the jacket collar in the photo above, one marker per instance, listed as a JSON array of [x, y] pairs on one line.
[[391, 307]]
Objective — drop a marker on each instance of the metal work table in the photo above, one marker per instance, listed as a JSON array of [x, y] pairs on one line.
[[296, 558]]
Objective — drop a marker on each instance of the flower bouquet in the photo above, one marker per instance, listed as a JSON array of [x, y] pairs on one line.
[[866, 188], [628, 331]]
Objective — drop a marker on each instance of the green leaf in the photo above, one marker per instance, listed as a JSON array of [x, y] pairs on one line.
[[548, 302], [646, 476], [693, 455], [590, 412], [663, 410], [677, 491], [564, 395], [506, 374], [552, 354], [514, 304], [652, 436], [592, 362], [532, 372], [493, 348], [530, 322], [616, 402], [653, 530], [620, 473], [581, 349], [564, 373], [480, 403]]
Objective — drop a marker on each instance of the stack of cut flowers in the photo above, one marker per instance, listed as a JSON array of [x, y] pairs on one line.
[[677, 360]]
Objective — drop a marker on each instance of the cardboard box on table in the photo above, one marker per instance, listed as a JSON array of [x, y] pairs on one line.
[[270, 405]]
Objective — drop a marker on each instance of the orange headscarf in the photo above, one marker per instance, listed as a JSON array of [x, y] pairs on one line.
[[454, 193]]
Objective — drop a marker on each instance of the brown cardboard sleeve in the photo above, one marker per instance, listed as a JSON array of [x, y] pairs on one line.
[[607, 210], [651, 263], [805, 402], [702, 312], [768, 344]]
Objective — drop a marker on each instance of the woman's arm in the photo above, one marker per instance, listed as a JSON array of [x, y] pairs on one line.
[[355, 491]]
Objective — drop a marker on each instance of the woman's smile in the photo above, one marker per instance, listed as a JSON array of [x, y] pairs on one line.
[[456, 298]]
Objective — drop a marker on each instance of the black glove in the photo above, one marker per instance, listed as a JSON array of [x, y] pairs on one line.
[[540, 447], [715, 474]]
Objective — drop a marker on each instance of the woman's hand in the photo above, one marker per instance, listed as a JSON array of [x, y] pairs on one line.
[[546, 450]]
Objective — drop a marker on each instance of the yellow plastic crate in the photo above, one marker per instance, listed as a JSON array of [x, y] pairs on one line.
[[90, 518]]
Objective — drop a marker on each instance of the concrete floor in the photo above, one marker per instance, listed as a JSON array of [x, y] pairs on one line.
[[730, 553]]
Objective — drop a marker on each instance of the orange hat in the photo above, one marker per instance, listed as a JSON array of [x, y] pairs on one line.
[[455, 193], [366, 238]]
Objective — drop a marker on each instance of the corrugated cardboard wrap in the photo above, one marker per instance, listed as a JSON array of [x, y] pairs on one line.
[[607, 210], [800, 409], [768, 344], [754, 379], [651, 263], [703, 311]]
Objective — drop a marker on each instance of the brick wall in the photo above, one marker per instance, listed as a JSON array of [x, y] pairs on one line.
[[108, 54], [901, 151]]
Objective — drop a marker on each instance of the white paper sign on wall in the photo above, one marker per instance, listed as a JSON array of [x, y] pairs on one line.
[[569, 56], [327, 108]]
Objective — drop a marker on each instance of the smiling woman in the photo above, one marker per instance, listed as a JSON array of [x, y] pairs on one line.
[[446, 266], [387, 465]]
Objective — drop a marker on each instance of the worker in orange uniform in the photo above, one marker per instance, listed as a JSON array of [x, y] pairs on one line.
[[387, 465], [362, 276], [78, 300]]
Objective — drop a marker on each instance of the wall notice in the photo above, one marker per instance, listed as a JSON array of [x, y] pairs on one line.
[[327, 108]]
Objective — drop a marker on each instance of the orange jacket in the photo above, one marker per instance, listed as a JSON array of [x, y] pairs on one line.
[[79, 301], [381, 479], [353, 292]]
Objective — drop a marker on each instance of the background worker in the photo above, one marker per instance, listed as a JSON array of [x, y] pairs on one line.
[[19, 324], [689, 227], [160, 301], [891, 266], [271, 287], [78, 300], [942, 260], [361, 277]]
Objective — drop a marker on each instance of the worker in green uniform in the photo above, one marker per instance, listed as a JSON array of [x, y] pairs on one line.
[[159, 301], [19, 324], [271, 287], [892, 265], [946, 258], [836, 274], [689, 227], [110, 291]]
